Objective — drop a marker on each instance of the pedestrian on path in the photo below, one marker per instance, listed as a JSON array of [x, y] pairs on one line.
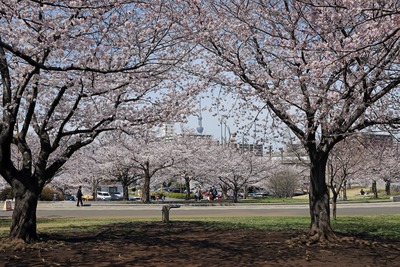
[[79, 196]]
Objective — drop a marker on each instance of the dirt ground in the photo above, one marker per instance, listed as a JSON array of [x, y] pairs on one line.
[[182, 243]]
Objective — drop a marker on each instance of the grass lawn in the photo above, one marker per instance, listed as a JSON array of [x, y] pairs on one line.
[[383, 225]]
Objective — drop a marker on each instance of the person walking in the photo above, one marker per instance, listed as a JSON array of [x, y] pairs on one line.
[[200, 195], [214, 193], [196, 194], [79, 196]]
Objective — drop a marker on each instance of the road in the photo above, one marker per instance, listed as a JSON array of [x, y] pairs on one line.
[[113, 209]]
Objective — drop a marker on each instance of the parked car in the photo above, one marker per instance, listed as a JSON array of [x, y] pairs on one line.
[[103, 195], [258, 194], [163, 189], [116, 196], [69, 197], [262, 194], [175, 190], [131, 198]]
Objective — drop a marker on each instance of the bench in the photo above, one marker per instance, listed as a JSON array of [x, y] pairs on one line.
[[165, 212]]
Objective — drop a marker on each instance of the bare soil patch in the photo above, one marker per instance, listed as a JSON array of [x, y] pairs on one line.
[[195, 244]]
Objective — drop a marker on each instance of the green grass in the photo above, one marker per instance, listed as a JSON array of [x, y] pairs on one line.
[[386, 226]]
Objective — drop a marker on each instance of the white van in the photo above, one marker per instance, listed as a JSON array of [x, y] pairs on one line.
[[103, 196]]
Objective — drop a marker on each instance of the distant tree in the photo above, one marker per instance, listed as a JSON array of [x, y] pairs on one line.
[[192, 153], [114, 161], [124, 175], [235, 169], [346, 160], [144, 153], [382, 161], [6, 193], [391, 166], [284, 183], [83, 169]]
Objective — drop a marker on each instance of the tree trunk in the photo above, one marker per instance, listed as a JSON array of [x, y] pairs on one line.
[[235, 195], [187, 186], [146, 188], [125, 192], [387, 187], [320, 229], [224, 190], [345, 190], [23, 224], [334, 202], [374, 189]]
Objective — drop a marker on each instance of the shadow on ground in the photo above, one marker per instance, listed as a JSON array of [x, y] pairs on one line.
[[195, 244]]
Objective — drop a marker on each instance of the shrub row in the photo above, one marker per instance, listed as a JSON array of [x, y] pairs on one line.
[[46, 195]]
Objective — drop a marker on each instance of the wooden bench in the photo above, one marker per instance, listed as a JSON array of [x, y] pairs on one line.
[[165, 212]]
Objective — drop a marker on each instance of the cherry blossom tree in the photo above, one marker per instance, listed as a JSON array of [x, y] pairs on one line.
[[145, 154], [346, 160], [123, 173], [115, 154], [326, 69], [357, 158], [82, 169], [381, 160], [192, 152], [233, 169], [391, 174], [71, 70]]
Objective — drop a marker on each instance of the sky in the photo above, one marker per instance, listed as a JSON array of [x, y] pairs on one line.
[[211, 123]]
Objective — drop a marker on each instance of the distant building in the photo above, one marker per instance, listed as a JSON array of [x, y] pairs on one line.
[[167, 129], [375, 140], [197, 136], [110, 188], [258, 149]]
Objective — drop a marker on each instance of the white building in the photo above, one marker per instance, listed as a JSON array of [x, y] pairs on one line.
[[167, 129]]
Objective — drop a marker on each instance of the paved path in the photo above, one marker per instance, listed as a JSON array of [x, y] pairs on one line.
[[113, 209]]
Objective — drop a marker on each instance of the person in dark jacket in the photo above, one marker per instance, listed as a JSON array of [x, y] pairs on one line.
[[214, 193], [79, 196]]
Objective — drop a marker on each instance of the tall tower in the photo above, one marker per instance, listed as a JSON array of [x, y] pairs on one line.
[[200, 128]]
